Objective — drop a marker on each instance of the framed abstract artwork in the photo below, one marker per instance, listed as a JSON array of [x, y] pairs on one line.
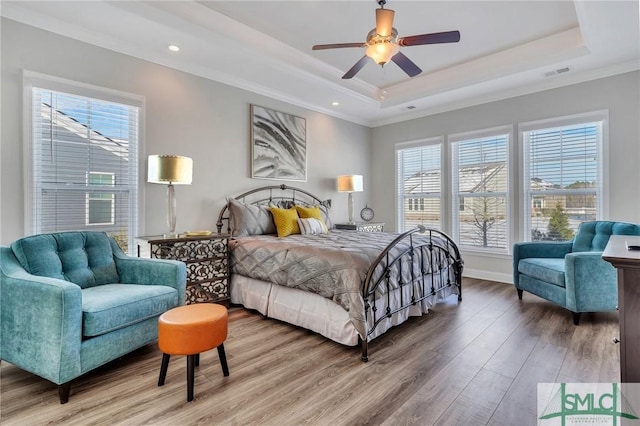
[[278, 145]]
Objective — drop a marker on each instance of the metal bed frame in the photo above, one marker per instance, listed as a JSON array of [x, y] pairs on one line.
[[438, 248]]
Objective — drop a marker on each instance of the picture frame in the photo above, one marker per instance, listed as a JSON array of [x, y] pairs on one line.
[[278, 145]]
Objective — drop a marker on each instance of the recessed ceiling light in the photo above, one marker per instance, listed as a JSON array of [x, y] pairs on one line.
[[173, 48], [335, 103]]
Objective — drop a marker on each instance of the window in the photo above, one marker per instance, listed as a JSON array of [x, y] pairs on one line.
[[419, 179], [100, 209], [480, 189], [562, 175], [83, 159]]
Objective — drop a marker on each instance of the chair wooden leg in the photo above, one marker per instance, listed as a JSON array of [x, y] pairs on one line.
[[519, 293], [197, 360], [63, 392], [191, 361], [576, 318], [163, 369], [223, 360]]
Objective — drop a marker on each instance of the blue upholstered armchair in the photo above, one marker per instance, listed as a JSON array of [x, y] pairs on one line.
[[73, 301], [572, 274]]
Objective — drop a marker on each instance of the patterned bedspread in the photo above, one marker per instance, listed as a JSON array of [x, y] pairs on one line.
[[332, 265]]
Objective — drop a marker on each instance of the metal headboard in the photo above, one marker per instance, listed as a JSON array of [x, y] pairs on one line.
[[270, 195]]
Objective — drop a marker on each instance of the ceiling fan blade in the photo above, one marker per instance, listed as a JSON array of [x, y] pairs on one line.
[[336, 46], [433, 38], [384, 22], [406, 64], [357, 67]]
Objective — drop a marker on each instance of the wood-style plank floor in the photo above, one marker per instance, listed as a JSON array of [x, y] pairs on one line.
[[471, 363]]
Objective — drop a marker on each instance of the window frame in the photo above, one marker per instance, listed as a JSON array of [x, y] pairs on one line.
[[602, 151], [31, 80]]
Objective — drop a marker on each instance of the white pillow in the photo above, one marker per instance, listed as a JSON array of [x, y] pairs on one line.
[[312, 226]]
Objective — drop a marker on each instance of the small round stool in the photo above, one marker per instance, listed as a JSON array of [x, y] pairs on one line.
[[189, 330]]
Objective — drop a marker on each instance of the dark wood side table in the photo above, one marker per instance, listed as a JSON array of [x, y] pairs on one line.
[[628, 264], [362, 226], [207, 260]]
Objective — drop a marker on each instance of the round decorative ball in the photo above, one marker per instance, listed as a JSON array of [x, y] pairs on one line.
[[366, 214]]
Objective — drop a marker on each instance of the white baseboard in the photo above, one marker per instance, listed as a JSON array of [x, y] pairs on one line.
[[488, 275]]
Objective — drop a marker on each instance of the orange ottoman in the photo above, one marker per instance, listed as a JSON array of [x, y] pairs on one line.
[[189, 330]]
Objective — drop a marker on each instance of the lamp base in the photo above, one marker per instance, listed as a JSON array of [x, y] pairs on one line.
[[351, 221], [171, 210]]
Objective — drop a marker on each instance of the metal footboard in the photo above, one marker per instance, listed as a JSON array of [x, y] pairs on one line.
[[440, 267]]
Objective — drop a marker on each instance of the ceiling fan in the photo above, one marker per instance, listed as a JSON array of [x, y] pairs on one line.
[[383, 45]]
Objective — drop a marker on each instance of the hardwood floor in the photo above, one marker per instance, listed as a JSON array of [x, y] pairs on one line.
[[476, 362]]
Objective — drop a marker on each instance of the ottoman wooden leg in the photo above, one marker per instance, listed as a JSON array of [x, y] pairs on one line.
[[197, 360], [223, 359], [191, 361], [163, 369]]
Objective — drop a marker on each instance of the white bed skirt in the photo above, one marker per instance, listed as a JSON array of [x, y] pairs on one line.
[[314, 312]]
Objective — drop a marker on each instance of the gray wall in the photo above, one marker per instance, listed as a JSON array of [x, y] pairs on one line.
[[208, 121], [620, 95], [185, 115]]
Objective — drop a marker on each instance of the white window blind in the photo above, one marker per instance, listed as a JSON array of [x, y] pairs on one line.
[[562, 179], [480, 191], [84, 165], [419, 177]]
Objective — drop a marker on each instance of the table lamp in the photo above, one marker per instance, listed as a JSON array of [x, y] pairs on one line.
[[350, 184], [170, 170]]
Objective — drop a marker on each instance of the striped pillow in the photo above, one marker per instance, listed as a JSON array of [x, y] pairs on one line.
[[312, 226]]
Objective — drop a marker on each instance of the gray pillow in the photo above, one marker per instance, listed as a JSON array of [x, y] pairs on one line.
[[249, 219], [325, 209]]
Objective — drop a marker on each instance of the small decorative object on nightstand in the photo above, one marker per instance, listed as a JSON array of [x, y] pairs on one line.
[[366, 214], [207, 257], [362, 226]]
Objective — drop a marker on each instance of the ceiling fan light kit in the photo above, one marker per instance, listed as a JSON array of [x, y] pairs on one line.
[[382, 44], [382, 48]]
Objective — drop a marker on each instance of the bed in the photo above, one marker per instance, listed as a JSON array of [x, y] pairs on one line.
[[348, 286]]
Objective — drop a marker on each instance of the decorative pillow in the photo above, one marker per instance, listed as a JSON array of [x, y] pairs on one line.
[[325, 209], [286, 221], [312, 226], [249, 219], [281, 204], [306, 212]]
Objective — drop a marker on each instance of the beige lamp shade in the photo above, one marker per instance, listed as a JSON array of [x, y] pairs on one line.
[[350, 183], [170, 169]]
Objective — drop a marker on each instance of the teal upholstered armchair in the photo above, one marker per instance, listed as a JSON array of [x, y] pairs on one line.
[[572, 274], [73, 301]]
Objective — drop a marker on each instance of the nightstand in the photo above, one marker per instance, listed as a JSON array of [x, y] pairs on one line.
[[362, 226], [207, 260]]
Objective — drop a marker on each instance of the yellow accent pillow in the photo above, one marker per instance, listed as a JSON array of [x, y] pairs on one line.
[[286, 221], [311, 212]]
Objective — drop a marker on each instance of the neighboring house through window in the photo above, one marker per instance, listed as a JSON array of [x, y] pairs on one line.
[[100, 209], [480, 187], [83, 158], [419, 178]]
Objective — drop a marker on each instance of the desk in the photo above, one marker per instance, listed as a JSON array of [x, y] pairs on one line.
[[627, 262]]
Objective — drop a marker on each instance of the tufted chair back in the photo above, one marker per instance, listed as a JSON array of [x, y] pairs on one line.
[[83, 258], [594, 236]]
